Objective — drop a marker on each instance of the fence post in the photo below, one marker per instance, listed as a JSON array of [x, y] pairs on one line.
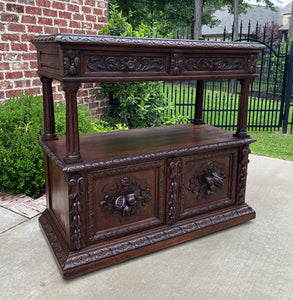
[[288, 93]]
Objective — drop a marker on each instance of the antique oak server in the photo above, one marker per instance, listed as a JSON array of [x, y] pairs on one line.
[[118, 195]]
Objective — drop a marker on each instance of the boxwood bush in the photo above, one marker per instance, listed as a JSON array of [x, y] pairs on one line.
[[21, 126]]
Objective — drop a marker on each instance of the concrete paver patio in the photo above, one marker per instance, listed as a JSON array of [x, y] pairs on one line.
[[250, 261]]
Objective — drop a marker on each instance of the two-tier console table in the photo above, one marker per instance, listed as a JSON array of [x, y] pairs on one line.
[[118, 195]]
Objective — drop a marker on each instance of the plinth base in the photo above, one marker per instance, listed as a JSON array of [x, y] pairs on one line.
[[94, 257]]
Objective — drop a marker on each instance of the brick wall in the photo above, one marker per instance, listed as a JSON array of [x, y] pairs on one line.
[[21, 20]]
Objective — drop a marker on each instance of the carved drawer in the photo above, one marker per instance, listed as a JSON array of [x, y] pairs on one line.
[[125, 200], [208, 182]]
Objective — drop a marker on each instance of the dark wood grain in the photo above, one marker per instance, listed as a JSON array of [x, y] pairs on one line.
[[118, 195]]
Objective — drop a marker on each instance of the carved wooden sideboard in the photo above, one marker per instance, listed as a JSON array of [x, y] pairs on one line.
[[118, 195]]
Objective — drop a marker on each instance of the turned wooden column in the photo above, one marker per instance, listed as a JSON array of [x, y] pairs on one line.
[[48, 107], [198, 103], [72, 134], [243, 108]]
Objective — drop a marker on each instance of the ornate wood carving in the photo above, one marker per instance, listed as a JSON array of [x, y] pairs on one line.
[[174, 186], [176, 64], [209, 179], [75, 186], [155, 237], [124, 194], [252, 61], [213, 63], [243, 173], [71, 63], [126, 63]]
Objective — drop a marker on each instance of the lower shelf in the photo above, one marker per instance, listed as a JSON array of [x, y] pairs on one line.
[[94, 257]]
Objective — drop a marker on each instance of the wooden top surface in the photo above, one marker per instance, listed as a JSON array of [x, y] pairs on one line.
[[148, 143], [135, 42]]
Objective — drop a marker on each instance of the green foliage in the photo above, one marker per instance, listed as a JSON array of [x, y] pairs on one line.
[[136, 104], [21, 126]]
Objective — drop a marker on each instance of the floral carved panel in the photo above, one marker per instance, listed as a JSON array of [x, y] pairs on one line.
[[125, 63], [123, 195], [71, 63], [213, 63]]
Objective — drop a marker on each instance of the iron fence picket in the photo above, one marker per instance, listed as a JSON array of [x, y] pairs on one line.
[[270, 106]]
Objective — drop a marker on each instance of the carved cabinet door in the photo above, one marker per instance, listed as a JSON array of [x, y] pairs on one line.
[[125, 200], [203, 183]]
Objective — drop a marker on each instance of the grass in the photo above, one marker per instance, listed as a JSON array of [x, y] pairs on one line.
[[272, 144]]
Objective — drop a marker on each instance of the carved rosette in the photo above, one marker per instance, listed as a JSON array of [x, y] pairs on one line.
[[75, 197], [213, 63], [71, 63], [252, 61], [125, 63], [176, 64], [209, 179], [174, 186], [123, 195], [243, 173]]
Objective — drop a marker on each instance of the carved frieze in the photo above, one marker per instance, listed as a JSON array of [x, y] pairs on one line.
[[125, 64], [124, 194], [213, 63], [243, 173], [207, 180], [71, 62], [75, 186]]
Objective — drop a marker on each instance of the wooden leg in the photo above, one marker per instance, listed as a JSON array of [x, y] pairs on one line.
[[72, 134], [243, 108], [198, 103], [48, 106]]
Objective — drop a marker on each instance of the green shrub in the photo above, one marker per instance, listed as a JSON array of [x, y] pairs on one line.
[[21, 126]]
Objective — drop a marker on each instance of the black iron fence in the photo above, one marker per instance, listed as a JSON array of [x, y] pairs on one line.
[[270, 99]]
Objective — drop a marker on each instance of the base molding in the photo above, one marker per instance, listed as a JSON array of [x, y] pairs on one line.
[[97, 256]]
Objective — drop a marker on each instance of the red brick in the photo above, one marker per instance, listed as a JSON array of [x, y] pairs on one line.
[[18, 47], [86, 9], [79, 17], [6, 85], [4, 47], [35, 28], [51, 30], [59, 22], [33, 65], [20, 65], [91, 18], [79, 31], [90, 2], [73, 8], [101, 19], [28, 19], [33, 10], [27, 37], [13, 75], [27, 2], [15, 8], [16, 27], [13, 92], [21, 83], [43, 3], [59, 5], [65, 15], [74, 24], [9, 18], [2, 96], [29, 56], [50, 12], [34, 91], [45, 21], [30, 74], [98, 12]]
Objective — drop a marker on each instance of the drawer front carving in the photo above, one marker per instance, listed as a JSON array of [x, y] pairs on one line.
[[208, 182], [125, 200]]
